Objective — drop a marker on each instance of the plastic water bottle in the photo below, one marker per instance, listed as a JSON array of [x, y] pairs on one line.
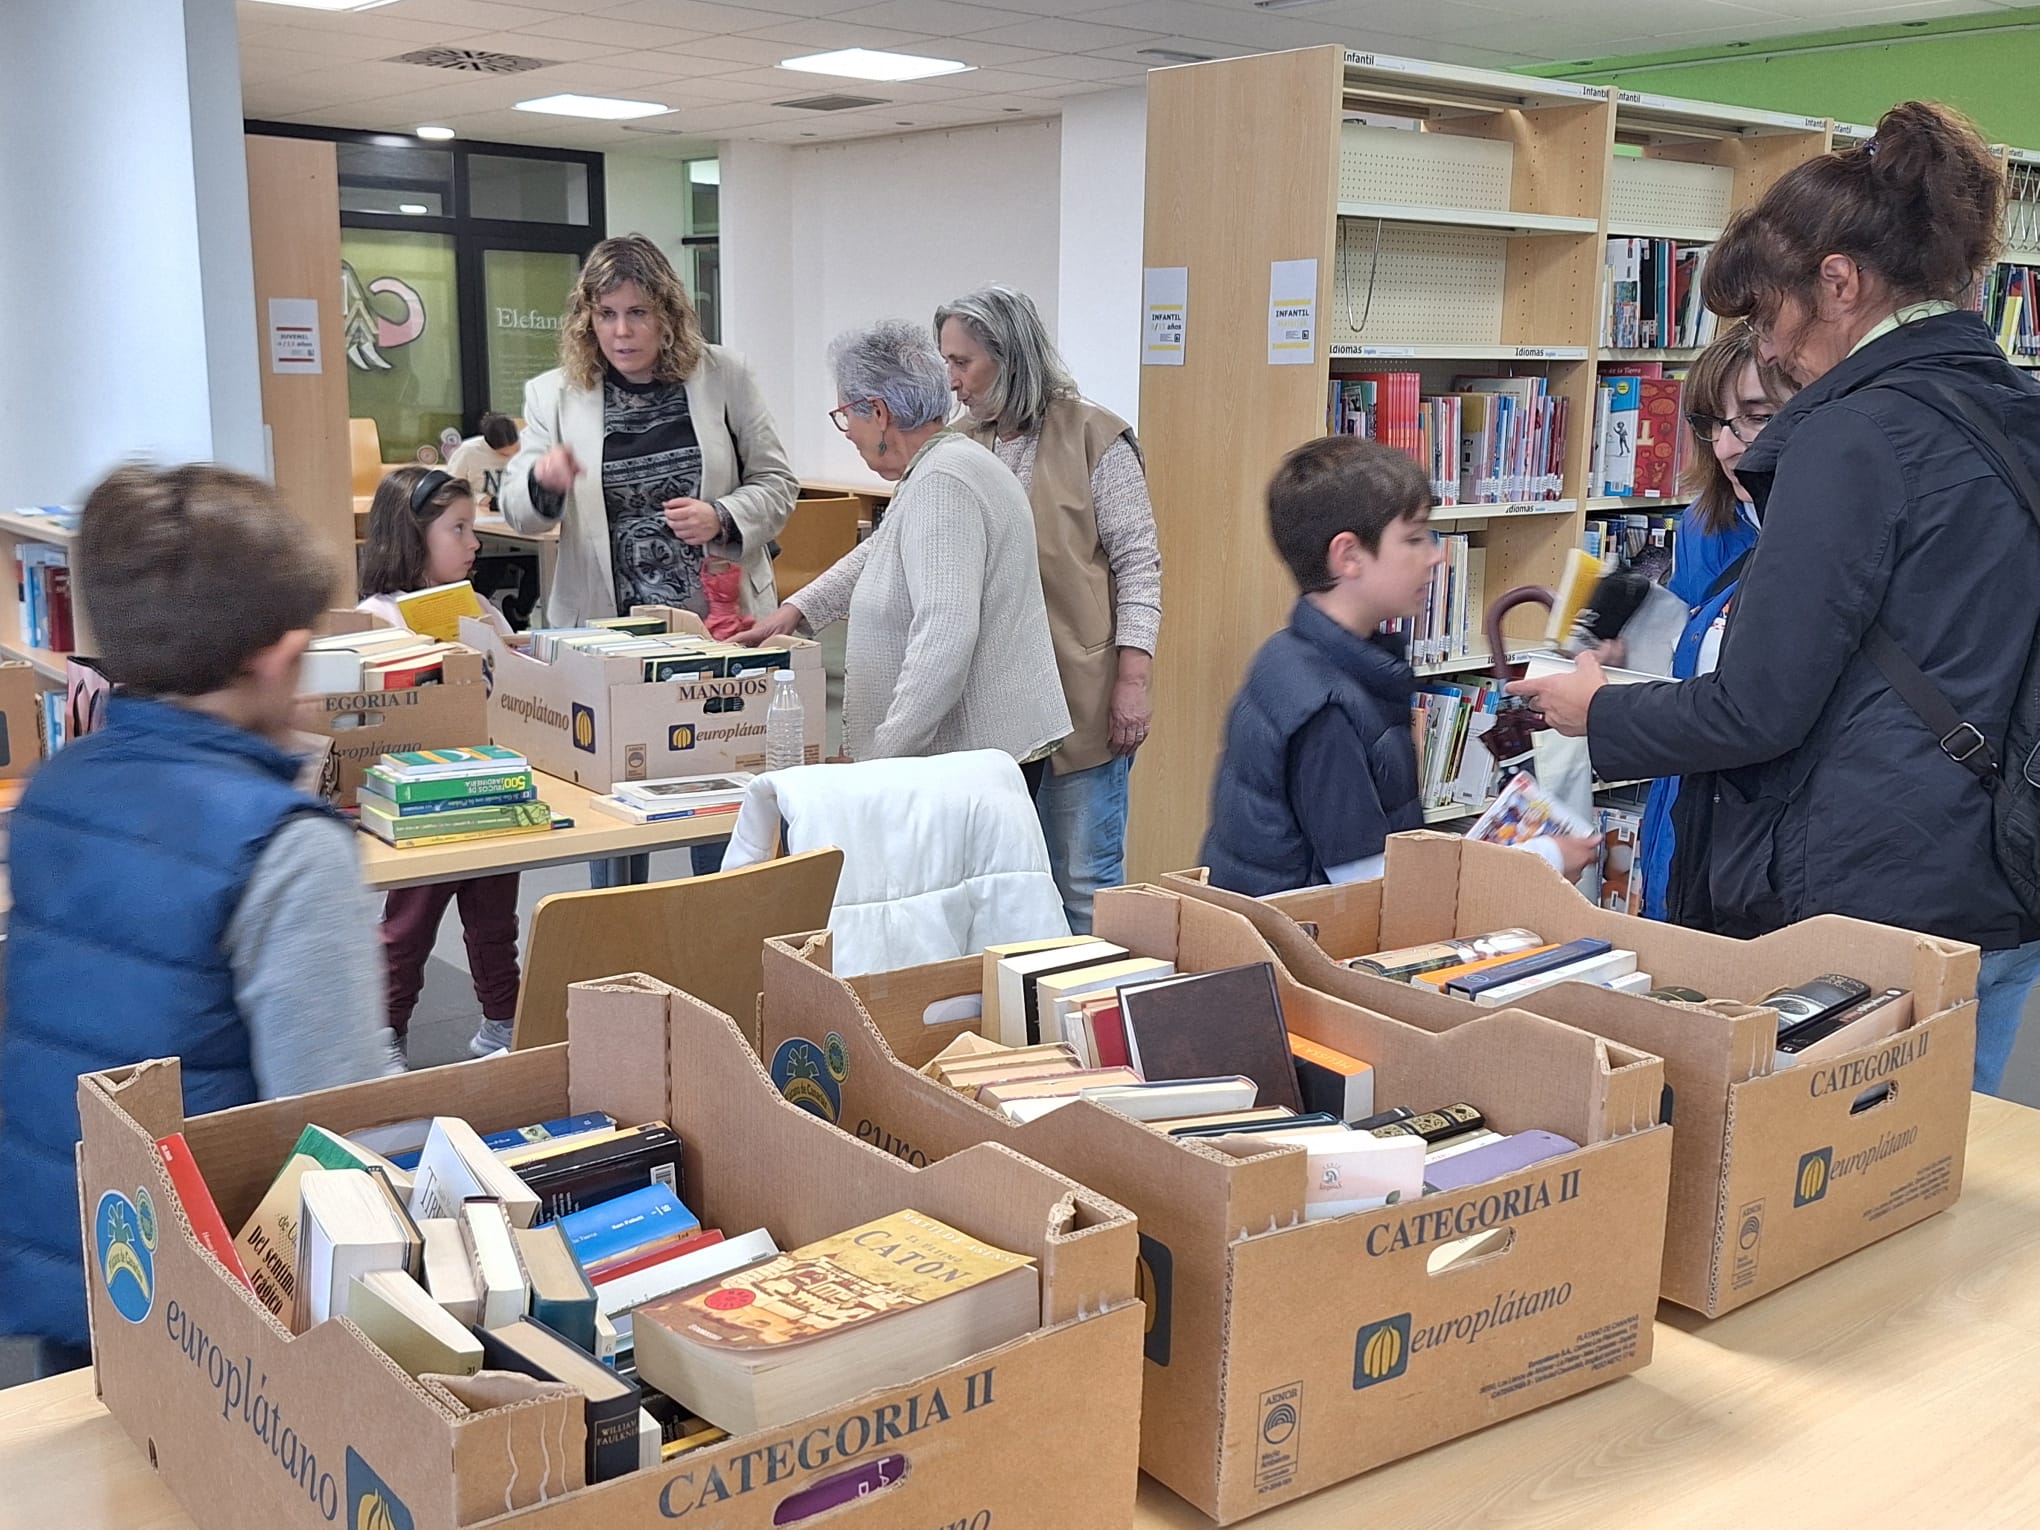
[[785, 725]]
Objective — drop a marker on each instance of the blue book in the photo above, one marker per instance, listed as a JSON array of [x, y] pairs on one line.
[[610, 1231], [519, 1136], [1476, 983]]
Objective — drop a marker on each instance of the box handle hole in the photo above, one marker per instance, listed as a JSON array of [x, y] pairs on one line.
[[866, 1481], [1874, 1096], [1463, 1253], [347, 722], [968, 1006]]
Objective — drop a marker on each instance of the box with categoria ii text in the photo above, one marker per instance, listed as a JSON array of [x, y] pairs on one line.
[[363, 726], [254, 1429], [1284, 1354], [1776, 1170], [594, 719]]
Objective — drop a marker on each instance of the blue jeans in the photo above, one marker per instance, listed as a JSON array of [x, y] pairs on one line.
[[636, 870], [1083, 819], [2002, 988]]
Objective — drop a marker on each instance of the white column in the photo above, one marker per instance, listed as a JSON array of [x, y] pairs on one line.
[[124, 244], [756, 218], [1104, 180]]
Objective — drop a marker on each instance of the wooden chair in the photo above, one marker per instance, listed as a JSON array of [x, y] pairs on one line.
[[364, 442], [703, 935]]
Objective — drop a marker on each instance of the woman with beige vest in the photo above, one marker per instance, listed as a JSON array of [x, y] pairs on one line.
[[948, 647], [1101, 568]]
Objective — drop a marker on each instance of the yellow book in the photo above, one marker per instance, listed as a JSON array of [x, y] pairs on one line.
[[875, 1306], [437, 612]]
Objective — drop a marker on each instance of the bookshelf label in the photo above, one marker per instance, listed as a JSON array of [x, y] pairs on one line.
[[1549, 352]]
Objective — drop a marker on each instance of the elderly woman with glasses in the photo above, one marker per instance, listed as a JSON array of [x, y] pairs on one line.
[[948, 644]]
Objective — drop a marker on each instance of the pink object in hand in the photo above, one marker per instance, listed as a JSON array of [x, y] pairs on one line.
[[724, 583]]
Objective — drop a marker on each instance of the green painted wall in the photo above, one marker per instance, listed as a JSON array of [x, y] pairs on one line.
[[1987, 65]]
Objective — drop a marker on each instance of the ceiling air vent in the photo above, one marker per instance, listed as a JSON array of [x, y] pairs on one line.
[[838, 103], [472, 60]]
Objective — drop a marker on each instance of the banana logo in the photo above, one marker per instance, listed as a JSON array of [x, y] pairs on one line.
[[122, 1259], [125, 1262], [1381, 1351], [372, 1512], [1815, 1169], [584, 728]]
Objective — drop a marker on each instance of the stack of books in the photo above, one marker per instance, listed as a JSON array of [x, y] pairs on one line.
[[1640, 445], [42, 577], [1490, 440], [460, 1262], [664, 655], [381, 659], [448, 796], [676, 797], [1652, 288]]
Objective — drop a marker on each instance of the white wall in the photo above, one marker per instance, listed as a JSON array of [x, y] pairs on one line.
[[121, 343], [818, 239], [643, 194], [1104, 156]]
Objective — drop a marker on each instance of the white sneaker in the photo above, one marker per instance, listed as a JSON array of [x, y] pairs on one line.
[[493, 1037]]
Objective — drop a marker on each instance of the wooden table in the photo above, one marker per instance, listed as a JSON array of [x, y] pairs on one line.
[[595, 836], [1898, 1387]]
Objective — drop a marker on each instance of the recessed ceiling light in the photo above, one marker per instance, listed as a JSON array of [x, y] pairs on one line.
[[414, 208], [606, 108], [872, 64], [437, 134], [329, 5]]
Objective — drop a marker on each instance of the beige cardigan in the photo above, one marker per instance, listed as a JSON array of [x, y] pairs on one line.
[[948, 646], [722, 397]]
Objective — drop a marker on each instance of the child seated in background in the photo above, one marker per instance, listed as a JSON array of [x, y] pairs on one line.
[[1320, 765], [175, 893], [421, 533], [480, 460]]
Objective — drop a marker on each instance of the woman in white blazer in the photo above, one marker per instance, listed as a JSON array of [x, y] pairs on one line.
[[650, 449]]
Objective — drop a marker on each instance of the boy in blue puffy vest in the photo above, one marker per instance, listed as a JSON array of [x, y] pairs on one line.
[[175, 893]]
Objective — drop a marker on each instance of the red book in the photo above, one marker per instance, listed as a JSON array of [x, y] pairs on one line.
[[658, 1256], [57, 592], [199, 1209], [1108, 1034], [1657, 435]]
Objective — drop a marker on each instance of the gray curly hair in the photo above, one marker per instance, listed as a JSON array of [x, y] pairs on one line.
[[1031, 374], [895, 361]]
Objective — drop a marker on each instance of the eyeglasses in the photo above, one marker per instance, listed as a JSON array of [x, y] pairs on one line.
[[1744, 427], [840, 415]]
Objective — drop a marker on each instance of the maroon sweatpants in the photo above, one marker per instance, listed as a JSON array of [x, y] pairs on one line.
[[488, 917]]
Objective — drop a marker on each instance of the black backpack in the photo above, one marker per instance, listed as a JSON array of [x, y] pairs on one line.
[[2013, 782]]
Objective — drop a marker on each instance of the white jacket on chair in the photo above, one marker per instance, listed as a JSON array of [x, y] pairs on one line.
[[942, 856]]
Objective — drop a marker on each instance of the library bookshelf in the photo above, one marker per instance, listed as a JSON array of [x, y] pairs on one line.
[[50, 665], [1459, 220]]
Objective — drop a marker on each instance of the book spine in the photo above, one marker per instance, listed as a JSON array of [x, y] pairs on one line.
[[396, 809], [612, 1437], [494, 783], [517, 815], [199, 1206], [573, 1192], [549, 1131], [616, 1229], [572, 1319]]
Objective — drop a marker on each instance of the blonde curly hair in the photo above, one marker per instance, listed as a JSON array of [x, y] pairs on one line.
[[630, 258]]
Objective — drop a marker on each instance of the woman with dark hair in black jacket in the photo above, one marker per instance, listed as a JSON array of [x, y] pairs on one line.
[[1829, 794]]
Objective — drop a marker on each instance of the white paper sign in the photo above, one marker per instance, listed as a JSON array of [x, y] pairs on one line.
[[1166, 299], [294, 336], [1292, 313]]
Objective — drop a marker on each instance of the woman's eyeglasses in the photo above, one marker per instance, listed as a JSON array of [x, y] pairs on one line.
[[840, 415], [1744, 427]]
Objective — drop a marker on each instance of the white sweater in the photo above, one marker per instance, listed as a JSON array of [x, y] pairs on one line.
[[948, 647]]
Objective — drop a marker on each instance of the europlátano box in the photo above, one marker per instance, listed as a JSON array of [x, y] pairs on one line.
[[253, 1429], [596, 721], [365, 725], [1775, 1171], [1285, 1355]]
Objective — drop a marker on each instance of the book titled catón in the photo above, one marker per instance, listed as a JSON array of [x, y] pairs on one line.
[[880, 1305]]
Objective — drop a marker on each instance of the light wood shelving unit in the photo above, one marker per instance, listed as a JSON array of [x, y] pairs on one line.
[[49, 665], [1471, 241]]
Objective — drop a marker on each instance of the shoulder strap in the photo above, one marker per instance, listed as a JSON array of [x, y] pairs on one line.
[[1727, 576], [1961, 741]]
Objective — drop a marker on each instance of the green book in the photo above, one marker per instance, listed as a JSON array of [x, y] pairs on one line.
[[388, 784], [483, 820], [417, 764]]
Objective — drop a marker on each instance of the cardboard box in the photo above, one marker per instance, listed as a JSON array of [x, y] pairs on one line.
[[595, 720], [364, 726], [253, 1429], [21, 720], [1285, 1355], [1775, 1172]]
